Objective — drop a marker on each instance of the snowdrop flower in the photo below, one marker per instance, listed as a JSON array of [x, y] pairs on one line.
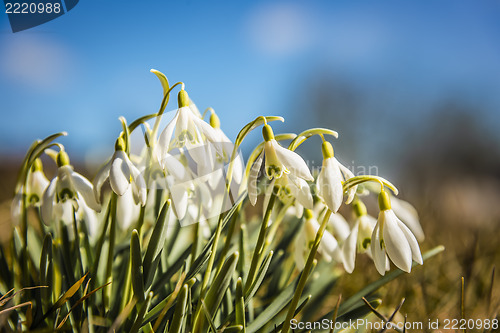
[[67, 186], [359, 238], [283, 165], [122, 174], [393, 238], [330, 179], [36, 184], [190, 132], [409, 216], [328, 246]]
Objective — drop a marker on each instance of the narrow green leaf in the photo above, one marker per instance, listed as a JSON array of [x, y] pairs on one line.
[[156, 242], [209, 318], [259, 278], [234, 329], [240, 304], [217, 290], [180, 310], [140, 315], [136, 266]]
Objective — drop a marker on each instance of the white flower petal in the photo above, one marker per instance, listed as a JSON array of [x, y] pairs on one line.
[[179, 200], [329, 184], [165, 137], [293, 162], [85, 189], [48, 202], [412, 241], [99, 180], [349, 249], [252, 179], [378, 253], [347, 175], [37, 183], [395, 241], [173, 166], [126, 210], [339, 226], [139, 185], [119, 175], [89, 217], [301, 191]]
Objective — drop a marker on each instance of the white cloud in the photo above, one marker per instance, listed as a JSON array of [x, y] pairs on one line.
[[280, 28], [36, 61]]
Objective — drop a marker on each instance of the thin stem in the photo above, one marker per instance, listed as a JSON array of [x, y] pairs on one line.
[[305, 273], [260, 241], [111, 249]]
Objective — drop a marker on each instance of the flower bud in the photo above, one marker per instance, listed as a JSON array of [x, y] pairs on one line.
[[384, 202], [37, 165], [62, 158], [214, 121], [359, 208], [327, 150], [120, 144], [183, 99], [267, 133], [308, 214]]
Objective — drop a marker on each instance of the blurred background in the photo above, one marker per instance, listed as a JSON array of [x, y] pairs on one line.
[[413, 88]]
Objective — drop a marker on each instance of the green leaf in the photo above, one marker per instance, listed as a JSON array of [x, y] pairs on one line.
[[218, 288], [209, 317], [259, 278], [136, 267], [234, 329], [282, 317], [240, 304], [180, 310], [140, 315], [156, 242]]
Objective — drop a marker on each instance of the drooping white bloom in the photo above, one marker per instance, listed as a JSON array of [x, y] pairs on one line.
[[188, 131], [359, 238], [328, 247], [394, 239], [284, 165], [331, 178], [36, 183], [122, 174], [67, 186]]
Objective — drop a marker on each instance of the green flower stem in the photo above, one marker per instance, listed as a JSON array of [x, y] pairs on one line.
[[229, 236], [305, 273], [77, 243], [351, 182], [111, 249], [98, 249], [276, 223], [257, 253], [24, 233]]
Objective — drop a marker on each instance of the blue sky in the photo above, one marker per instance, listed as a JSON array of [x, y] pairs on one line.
[[80, 72]]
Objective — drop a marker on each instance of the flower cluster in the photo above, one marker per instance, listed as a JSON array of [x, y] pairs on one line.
[[187, 199]]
